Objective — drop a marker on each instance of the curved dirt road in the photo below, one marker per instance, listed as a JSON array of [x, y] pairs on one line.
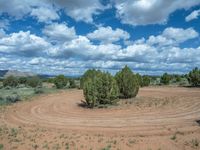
[[62, 110]]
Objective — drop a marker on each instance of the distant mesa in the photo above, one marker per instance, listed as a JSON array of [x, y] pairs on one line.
[[6, 73]]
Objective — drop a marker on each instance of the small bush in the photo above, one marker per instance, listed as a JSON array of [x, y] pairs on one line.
[[145, 81], [10, 81], [12, 98], [1, 146], [72, 83], [139, 78], [165, 78], [23, 80], [194, 77], [34, 82], [60, 81], [183, 82], [38, 91], [127, 83]]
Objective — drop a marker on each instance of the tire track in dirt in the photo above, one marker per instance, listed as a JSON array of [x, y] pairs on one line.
[[61, 111]]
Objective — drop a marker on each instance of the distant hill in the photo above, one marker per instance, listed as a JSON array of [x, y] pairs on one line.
[[6, 73], [3, 72], [16, 73], [44, 76]]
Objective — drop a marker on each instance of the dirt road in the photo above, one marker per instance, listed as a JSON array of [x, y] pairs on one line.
[[162, 118]]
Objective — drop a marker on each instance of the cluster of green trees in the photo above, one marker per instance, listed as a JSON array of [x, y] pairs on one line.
[[193, 78], [144, 80], [18, 82], [101, 88], [12, 81], [61, 82]]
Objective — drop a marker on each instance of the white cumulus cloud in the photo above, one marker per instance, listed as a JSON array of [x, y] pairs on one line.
[[194, 15], [59, 32], [143, 12], [44, 14], [108, 35]]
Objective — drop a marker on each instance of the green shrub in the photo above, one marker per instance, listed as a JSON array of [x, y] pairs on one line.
[[23, 80], [107, 89], [89, 74], [100, 89], [127, 83], [178, 78], [12, 98], [194, 77], [34, 82], [1, 146], [90, 92], [38, 90], [50, 80], [139, 79], [60, 81], [145, 81], [165, 79], [72, 83], [10, 81], [183, 82]]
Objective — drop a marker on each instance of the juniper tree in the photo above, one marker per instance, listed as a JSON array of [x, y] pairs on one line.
[[127, 83]]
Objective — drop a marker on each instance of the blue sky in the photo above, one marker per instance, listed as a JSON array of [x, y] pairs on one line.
[[70, 36]]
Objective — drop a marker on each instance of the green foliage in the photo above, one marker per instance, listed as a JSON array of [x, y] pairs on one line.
[[23, 80], [145, 81], [178, 78], [10, 82], [13, 98], [8, 96], [89, 74], [50, 80], [1, 146], [139, 79], [34, 82], [127, 83], [60, 81], [38, 90], [100, 89], [183, 82], [165, 78], [107, 147], [194, 77], [72, 83]]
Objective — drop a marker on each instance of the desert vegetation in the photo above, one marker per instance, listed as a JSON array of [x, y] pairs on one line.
[[194, 77], [127, 82], [101, 88], [144, 105], [14, 89]]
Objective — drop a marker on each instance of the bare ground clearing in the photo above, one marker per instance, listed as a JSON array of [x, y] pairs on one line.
[[159, 118]]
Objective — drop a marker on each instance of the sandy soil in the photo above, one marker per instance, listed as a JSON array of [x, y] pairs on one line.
[[159, 118]]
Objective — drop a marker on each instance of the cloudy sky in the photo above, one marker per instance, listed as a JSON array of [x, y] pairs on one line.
[[70, 36]]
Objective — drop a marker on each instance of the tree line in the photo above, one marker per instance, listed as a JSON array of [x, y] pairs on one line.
[[102, 88]]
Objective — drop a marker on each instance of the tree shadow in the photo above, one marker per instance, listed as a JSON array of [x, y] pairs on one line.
[[190, 86], [198, 122], [83, 104]]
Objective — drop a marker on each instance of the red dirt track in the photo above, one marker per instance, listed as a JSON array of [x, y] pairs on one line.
[[175, 110]]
